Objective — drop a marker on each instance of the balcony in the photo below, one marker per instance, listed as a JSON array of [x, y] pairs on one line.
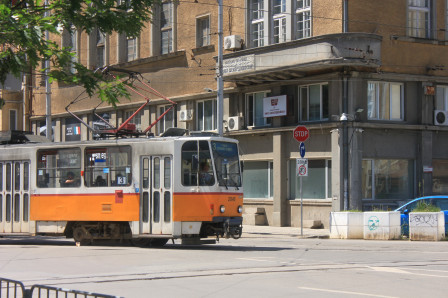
[[299, 58]]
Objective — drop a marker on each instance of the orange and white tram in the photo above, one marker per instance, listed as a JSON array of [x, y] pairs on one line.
[[145, 189]]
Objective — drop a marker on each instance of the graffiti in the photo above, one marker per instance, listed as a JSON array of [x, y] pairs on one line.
[[424, 220], [373, 223]]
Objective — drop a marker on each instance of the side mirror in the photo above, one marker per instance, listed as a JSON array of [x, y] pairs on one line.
[[242, 166]]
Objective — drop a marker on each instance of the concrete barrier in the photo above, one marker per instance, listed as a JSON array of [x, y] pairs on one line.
[[346, 225], [426, 226], [382, 225]]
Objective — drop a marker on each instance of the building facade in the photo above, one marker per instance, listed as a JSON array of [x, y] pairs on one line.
[[368, 79]]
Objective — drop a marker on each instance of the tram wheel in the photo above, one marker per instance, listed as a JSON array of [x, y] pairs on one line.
[[81, 235], [158, 242]]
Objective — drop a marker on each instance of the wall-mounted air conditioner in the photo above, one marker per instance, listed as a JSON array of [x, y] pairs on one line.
[[440, 117], [186, 115], [232, 42], [235, 123]]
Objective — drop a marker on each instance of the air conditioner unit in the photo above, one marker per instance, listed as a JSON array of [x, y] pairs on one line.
[[186, 115], [232, 42], [440, 117], [235, 123]]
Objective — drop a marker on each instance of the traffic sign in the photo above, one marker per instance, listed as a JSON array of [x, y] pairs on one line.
[[302, 149], [301, 133], [302, 167]]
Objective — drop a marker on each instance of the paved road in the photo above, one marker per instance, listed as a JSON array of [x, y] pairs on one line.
[[267, 262]]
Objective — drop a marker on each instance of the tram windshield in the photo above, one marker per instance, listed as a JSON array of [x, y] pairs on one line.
[[225, 158], [199, 164]]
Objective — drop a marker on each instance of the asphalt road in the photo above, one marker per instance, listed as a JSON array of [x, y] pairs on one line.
[[261, 264]]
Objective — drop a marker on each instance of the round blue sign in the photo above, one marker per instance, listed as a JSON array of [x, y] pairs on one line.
[[302, 149]]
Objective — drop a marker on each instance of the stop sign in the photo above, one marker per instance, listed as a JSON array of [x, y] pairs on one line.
[[301, 133]]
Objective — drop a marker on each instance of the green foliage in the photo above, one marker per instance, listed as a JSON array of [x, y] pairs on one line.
[[23, 44], [425, 207]]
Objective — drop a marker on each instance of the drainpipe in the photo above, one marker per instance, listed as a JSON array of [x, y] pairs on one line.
[[345, 17], [345, 153]]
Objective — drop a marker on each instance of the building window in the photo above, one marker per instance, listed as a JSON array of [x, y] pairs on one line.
[[385, 101], [442, 98], [137, 119], [303, 16], [313, 102], [257, 22], [70, 41], [258, 179], [254, 110], [388, 179], [317, 185], [279, 10], [167, 121], [440, 176], [12, 119], [100, 49], [131, 49], [279, 30], [206, 115], [419, 18], [203, 31], [166, 27]]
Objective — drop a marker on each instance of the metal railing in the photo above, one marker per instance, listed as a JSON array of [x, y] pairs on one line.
[[16, 289]]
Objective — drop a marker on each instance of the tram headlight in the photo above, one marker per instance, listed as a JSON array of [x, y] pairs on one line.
[[240, 209], [222, 208]]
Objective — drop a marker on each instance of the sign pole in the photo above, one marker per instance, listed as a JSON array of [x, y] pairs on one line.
[[301, 208], [301, 134]]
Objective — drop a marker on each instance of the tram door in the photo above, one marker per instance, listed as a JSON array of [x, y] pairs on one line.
[[15, 196], [156, 195]]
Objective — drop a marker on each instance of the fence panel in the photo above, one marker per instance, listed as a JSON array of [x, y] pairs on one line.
[[11, 288]]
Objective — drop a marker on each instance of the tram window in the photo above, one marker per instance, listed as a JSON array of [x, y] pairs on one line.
[[156, 173], [167, 172], [59, 168], [197, 164], [108, 166], [1, 178], [8, 176], [16, 207], [17, 176], [8, 208], [156, 206], [167, 206], [145, 207], [26, 176], [145, 173], [26, 201]]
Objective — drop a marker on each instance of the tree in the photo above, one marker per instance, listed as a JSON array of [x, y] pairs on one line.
[[23, 45]]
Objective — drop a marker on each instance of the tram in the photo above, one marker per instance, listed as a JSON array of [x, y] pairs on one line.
[[148, 190]]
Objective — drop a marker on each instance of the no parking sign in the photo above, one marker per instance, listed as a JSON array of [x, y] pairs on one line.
[[302, 167]]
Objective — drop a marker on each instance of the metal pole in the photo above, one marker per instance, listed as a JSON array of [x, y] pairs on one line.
[[48, 124], [301, 208], [220, 81]]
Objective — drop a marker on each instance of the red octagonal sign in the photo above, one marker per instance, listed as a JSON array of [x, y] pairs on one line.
[[301, 133]]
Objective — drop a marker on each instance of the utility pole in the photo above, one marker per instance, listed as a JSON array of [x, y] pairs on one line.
[[48, 124], [220, 80]]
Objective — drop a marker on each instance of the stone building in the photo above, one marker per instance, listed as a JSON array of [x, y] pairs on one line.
[[369, 79]]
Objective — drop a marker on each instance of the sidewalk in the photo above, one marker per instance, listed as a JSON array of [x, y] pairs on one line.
[[250, 231]]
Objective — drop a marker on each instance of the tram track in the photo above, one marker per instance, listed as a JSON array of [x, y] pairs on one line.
[[284, 268]]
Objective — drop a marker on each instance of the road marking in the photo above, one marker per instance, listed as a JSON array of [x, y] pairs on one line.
[[345, 292], [400, 271]]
